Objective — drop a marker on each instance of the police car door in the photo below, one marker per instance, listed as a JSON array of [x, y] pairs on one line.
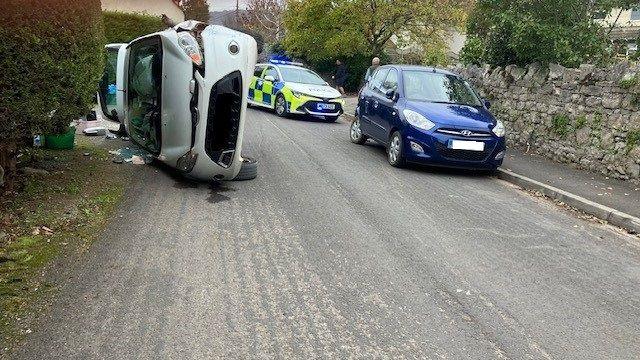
[[270, 77], [257, 77]]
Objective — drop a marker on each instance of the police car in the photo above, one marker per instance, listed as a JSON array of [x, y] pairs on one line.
[[289, 88]]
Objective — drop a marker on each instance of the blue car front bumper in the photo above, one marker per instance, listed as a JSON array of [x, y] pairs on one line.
[[434, 149]]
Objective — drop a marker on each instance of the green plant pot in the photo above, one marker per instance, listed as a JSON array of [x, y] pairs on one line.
[[62, 141]]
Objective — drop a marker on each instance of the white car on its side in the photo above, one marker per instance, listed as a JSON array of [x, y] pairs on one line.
[[182, 95]]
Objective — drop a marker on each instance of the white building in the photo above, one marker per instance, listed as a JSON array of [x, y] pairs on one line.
[[623, 27]]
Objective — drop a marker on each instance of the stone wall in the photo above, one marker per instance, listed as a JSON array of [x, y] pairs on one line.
[[587, 116]]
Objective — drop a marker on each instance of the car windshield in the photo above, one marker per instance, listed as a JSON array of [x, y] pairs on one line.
[[300, 75], [440, 88]]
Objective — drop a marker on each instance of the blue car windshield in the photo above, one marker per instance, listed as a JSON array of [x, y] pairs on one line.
[[300, 75], [439, 88]]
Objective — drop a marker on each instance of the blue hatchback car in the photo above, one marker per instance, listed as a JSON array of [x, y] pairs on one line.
[[428, 115]]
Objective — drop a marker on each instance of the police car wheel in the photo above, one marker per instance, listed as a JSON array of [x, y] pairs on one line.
[[248, 170], [281, 106]]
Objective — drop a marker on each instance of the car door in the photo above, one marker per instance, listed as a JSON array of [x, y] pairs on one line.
[[144, 93], [269, 78], [110, 89], [368, 123], [387, 112], [377, 98], [257, 78]]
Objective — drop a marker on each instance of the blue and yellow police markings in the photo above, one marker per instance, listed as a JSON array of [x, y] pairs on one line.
[[264, 92]]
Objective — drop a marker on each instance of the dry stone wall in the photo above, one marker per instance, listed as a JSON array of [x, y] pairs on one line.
[[588, 116]]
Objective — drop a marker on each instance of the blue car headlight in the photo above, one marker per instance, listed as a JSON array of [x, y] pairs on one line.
[[417, 120], [499, 129]]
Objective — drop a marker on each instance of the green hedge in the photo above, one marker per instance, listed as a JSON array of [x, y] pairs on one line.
[[122, 28], [51, 58]]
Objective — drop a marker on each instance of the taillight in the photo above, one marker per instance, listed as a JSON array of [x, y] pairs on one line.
[[190, 46]]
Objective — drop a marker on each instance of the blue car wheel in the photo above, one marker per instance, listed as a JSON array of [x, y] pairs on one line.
[[394, 150], [356, 135]]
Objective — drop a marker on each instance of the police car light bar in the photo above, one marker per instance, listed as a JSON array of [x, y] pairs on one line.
[[282, 62]]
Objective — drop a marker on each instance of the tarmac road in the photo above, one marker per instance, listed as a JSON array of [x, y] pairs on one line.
[[331, 253]]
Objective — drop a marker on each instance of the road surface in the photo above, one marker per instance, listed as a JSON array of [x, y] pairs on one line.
[[331, 253]]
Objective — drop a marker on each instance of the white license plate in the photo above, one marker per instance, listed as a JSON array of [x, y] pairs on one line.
[[466, 145], [322, 106]]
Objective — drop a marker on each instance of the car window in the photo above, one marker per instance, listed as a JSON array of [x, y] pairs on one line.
[[391, 81], [258, 71], [435, 87], [273, 72], [378, 78], [300, 75]]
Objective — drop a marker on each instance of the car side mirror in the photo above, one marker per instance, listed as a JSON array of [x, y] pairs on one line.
[[487, 103], [270, 78], [392, 95]]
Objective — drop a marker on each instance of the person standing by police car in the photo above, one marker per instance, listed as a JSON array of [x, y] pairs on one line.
[[340, 77]]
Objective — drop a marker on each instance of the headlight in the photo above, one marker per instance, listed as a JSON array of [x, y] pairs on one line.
[[190, 46], [417, 120], [499, 129]]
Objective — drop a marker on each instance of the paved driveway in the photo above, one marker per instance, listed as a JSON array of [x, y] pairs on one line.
[[332, 253]]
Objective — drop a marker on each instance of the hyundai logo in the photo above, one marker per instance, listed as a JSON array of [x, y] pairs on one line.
[[466, 133]]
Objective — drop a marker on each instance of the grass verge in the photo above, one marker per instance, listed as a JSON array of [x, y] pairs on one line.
[[59, 210]]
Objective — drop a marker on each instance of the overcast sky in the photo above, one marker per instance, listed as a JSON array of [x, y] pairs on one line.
[[217, 5]]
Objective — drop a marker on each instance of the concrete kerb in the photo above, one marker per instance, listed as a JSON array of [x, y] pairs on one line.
[[613, 216]]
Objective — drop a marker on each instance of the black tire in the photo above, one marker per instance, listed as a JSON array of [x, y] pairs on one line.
[[394, 150], [249, 169], [356, 135], [331, 118], [281, 111]]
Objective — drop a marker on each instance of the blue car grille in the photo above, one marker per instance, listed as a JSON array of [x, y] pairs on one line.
[[462, 155], [461, 133]]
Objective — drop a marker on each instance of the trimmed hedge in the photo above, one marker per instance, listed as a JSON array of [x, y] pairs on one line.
[[51, 58], [122, 28]]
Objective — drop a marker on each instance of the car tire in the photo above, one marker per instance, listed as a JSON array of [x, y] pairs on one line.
[[280, 106], [248, 170], [355, 133], [394, 150]]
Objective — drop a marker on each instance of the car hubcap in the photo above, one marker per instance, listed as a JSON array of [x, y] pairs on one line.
[[355, 130], [280, 106], [394, 149]]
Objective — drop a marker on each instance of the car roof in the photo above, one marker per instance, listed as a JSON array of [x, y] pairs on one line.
[[403, 67], [283, 66]]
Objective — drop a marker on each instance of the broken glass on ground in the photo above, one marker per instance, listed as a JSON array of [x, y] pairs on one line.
[[132, 154]]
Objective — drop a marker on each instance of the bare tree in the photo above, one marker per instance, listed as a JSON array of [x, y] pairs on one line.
[[264, 17]]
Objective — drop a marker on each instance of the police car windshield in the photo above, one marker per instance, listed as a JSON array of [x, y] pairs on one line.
[[438, 88], [299, 75]]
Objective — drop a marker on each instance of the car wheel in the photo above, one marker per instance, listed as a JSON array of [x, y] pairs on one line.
[[281, 106], [356, 135], [248, 170], [394, 150]]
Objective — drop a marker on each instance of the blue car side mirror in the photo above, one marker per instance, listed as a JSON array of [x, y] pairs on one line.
[[392, 95], [487, 104]]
